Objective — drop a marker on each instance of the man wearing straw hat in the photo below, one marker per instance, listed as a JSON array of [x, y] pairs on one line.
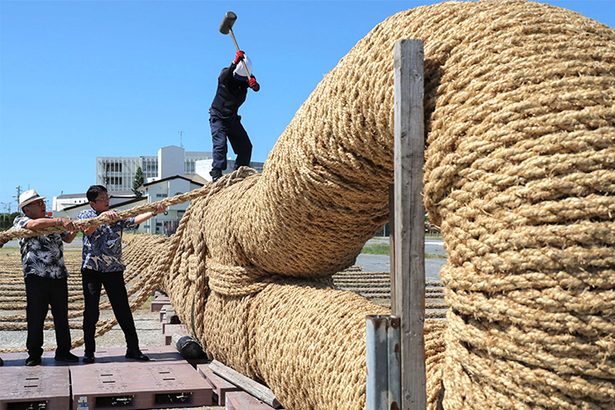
[[224, 119], [45, 275]]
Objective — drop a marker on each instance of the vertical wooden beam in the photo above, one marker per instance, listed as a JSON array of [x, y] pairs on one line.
[[394, 289], [409, 269]]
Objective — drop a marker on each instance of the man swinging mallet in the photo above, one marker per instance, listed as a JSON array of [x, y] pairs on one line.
[[225, 122]]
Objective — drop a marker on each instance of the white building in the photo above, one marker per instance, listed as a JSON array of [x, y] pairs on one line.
[[118, 173], [202, 167], [117, 204], [164, 188], [165, 224], [64, 201], [173, 171]]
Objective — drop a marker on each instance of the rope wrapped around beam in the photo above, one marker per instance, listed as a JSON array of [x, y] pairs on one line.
[[519, 173]]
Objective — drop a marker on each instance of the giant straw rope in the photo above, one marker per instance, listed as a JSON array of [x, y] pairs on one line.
[[520, 173]]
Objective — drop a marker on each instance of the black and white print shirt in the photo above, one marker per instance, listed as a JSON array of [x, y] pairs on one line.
[[41, 255], [102, 250]]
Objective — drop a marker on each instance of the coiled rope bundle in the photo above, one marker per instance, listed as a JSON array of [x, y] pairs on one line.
[[520, 173]]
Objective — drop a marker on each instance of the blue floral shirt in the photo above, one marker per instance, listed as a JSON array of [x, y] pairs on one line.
[[41, 255], [102, 250]]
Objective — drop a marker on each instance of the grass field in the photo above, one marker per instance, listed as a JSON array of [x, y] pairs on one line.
[[384, 249]]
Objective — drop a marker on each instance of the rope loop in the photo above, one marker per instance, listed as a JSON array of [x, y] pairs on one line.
[[236, 281]]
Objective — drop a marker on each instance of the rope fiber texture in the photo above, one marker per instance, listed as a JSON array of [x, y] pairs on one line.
[[519, 174]]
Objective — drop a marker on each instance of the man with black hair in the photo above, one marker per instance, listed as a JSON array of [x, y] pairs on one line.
[[102, 266], [225, 122]]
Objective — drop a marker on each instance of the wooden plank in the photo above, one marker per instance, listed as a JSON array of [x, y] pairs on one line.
[[157, 354], [163, 311], [139, 386], [263, 393], [221, 386], [169, 330], [35, 387], [242, 401], [395, 296], [409, 269], [159, 302], [170, 316]]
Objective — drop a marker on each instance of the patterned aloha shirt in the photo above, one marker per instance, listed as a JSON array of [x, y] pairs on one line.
[[102, 250], [41, 255]]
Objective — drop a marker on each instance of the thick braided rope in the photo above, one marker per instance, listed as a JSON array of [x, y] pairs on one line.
[[520, 131], [84, 224], [140, 279], [520, 171], [502, 136], [147, 250]]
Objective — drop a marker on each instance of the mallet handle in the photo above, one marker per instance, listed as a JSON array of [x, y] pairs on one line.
[[237, 47]]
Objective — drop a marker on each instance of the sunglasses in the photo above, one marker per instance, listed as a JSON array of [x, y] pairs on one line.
[[40, 203]]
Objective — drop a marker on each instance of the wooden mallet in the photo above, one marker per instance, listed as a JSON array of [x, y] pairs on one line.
[[226, 27]]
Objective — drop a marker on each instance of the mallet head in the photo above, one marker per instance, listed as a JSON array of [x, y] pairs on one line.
[[227, 23]]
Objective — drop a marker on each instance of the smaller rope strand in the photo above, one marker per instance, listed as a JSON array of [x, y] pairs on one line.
[[83, 224]]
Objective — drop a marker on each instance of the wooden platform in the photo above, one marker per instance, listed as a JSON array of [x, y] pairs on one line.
[[169, 330], [138, 386], [159, 301], [239, 400], [166, 381], [220, 386], [34, 388], [157, 355]]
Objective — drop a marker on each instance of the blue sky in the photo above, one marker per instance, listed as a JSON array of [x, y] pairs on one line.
[[81, 79]]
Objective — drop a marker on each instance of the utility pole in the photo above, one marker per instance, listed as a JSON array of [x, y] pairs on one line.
[[181, 134], [18, 188], [7, 206]]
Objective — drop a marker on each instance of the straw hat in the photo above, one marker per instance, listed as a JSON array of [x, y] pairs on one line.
[[28, 197]]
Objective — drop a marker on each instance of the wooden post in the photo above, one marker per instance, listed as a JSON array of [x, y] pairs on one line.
[[394, 289], [409, 269]]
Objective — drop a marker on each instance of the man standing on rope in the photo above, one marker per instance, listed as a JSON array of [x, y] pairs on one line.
[[224, 120], [102, 266], [45, 275]]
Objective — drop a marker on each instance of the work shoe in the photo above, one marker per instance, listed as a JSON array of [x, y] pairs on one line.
[[33, 361], [88, 358], [136, 354], [66, 357], [216, 174]]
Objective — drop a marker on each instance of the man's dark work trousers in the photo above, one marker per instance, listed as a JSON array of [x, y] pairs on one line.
[[116, 292], [40, 294], [230, 128]]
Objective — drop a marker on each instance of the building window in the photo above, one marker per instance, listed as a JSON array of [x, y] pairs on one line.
[[189, 167]]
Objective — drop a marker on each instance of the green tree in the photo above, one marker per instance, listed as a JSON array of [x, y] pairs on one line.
[[137, 183], [6, 220]]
